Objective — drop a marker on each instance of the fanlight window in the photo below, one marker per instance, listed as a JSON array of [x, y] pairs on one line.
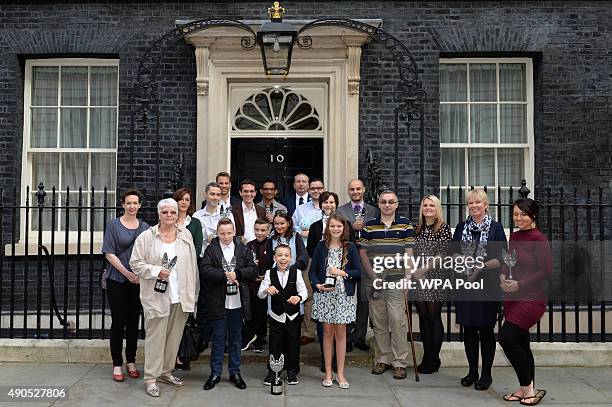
[[277, 109]]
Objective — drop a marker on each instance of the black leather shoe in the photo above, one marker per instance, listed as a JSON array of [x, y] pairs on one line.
[[468, 380], [212, 380], [483, 384], [237, 380], [361, 344]]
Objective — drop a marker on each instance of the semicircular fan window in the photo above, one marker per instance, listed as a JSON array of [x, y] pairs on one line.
[[279, 109]]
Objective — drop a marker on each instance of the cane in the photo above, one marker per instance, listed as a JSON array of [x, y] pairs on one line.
[[409, 316]]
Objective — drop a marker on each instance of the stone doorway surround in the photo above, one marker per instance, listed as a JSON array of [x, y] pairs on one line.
[[334, 58]]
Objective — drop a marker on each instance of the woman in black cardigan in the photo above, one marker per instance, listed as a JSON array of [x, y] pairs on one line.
[[329, 202], [478, 317], [334, 304]]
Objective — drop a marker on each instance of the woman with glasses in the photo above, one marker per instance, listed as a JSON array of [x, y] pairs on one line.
[[432, 238], [165, 260], [122, 285], [475, 238]]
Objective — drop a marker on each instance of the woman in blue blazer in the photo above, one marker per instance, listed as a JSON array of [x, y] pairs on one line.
[[478, 318], [336, 260]]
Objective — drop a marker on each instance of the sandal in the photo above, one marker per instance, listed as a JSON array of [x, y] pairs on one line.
[[512, 397], [535, 399]]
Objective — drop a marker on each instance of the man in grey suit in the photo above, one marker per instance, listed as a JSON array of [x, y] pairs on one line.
[[358, 213]]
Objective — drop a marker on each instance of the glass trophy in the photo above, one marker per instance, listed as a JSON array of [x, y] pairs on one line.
[[231, 288], [161, 285]]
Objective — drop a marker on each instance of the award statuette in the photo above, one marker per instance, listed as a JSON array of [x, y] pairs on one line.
[[230, 288], [225, 212], [510, 261], [330, 281], [162, 285], [276, 388], [359, 216], [468, 249]]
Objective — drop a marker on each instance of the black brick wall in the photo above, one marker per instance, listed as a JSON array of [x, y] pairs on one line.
[[569, 42]]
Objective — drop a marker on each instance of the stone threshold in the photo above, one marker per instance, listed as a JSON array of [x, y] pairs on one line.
[[551, 354]]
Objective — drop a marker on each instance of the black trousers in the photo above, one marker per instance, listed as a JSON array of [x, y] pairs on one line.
[[285, 339], [485, 337], [124, 301], [432, 330], [514, 340], [258, 325], [357, 330]]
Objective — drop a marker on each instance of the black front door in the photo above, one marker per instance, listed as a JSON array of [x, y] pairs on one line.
[[278, 159]]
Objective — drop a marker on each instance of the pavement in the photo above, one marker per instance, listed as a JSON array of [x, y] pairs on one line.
[[91, 385]]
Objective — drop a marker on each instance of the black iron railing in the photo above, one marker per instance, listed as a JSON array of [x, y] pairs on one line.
[[51, 262]]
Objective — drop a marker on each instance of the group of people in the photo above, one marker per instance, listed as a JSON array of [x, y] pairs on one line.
[[301, 268]]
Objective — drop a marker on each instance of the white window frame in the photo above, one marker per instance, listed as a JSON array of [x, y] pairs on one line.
[[26, 169], [529, 161]]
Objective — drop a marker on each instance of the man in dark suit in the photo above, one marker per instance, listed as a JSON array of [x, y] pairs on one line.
[[245, 212], [301, 196], [356, 207]]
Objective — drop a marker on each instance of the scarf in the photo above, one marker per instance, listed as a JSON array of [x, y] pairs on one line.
[[470, 227]]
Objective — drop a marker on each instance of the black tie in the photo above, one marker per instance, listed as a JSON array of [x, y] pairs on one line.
[[301, 201]]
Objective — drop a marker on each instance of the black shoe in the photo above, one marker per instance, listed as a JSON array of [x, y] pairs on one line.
[[361, 344], [246, 342], [269, 378], [237, 380], [292, 378], [483, 383], [258, 347], [349, 346], [212, 380], [186, 365], [468, 380], [428, 367]]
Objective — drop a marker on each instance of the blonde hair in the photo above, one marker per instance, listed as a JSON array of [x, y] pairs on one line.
[[479, 193], [438, 222]]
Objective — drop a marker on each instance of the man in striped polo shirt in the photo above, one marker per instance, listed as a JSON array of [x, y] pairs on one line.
[[388, 235]]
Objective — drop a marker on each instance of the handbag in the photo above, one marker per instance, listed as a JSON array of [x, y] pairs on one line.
[[192, 342]]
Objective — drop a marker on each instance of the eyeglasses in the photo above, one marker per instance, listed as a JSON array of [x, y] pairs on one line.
[[268, 189], [317, 188], [387, 202], [168, 212], [280, 212]]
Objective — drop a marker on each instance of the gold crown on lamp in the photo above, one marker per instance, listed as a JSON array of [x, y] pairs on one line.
[[276, 12]]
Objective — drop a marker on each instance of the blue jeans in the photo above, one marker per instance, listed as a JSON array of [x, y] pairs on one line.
[[231, 326]]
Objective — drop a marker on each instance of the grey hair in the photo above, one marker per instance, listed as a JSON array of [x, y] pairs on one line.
[[166, 202], [387, 191]]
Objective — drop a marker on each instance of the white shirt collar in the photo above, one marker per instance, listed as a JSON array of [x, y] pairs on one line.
[[246, 208]]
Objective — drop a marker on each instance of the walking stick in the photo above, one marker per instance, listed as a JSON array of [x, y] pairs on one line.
[[409, 316]]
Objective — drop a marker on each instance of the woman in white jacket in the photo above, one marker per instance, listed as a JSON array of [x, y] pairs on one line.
[[165, 254]]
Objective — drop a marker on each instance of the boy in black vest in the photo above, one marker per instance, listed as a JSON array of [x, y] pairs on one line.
[[285, 289]]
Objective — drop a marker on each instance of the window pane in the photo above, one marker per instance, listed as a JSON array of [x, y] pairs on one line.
[[74, 171], [481, 163], [74, 86], [102, 127], [453, 124], [455, 211], [453, 82], [511, 168], [47, 212], [103, 86], [452, 166], [43, 131], [44, 85], [73, 131], [103, 171], [99, 220], [512, 82], [513, 123], [483, 123], [72, 214], [482, 83], [45, 169]]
